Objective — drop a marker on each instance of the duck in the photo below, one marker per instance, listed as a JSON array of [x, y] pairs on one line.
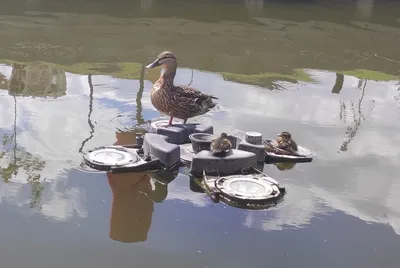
[[284, 144], [221, 146], [181, 102]]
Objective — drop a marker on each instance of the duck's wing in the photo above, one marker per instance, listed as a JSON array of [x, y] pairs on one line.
[[189, 93], [293, 145], [215, 146]]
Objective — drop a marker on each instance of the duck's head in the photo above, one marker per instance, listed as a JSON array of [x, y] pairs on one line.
[[285, 135], [166, 59], [224, 135]]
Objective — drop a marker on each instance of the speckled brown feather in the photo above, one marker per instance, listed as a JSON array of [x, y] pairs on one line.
[[181, 102], [283, 142]]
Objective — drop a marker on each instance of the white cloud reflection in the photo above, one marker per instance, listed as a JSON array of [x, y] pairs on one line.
[[53, 130]]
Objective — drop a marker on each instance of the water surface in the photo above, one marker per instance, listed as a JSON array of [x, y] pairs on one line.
[[72, 78]]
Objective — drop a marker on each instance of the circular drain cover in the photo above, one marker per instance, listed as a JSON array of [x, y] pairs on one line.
[[250, 188], [104, 157]]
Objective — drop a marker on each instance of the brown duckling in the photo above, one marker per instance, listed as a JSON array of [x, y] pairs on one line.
[[176, 101], [285, 142], [221, 146]]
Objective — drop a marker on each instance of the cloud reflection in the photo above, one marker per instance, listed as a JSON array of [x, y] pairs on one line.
[[53, 130]]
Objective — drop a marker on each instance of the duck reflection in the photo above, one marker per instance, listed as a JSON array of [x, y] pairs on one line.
[[134, 195], [284, 166]]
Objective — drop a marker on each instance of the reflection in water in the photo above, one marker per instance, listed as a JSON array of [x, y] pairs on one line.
[[365, 8], [91, 126], [284, 166], [254, 6], [37, 80], [12, 167], [134, 195], [358, 116], [397, 97], [3, 81], [191, 78], [139, 108], [261, 51], [21, 164], [337, 87], [343, 111], [146, 4]]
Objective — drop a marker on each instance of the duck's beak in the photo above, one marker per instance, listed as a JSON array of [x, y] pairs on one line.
[[153, 64]]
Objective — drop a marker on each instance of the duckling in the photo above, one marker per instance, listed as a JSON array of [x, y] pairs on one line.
[[285, 142], [182, 102], [221, 146]]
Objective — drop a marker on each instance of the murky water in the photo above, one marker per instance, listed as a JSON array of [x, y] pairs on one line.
[[72, 78]]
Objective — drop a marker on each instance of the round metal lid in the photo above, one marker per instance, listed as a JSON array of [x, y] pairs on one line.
[[246, 187], [110, 157], [253, 137]]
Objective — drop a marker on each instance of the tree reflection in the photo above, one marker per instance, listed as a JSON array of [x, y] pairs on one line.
[[358, 116], [33, 80], [397, 97], [89, 120], [146, 4], [365, 8], [254, 6], [337, 87], [14, 160], [3, 81], [139, 108], [37, 80]]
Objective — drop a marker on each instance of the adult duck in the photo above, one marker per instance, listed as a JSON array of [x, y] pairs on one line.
[[182, 102]]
